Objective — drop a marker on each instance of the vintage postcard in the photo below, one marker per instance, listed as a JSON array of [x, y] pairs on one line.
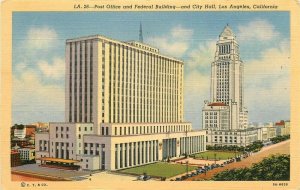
[[150, 94]]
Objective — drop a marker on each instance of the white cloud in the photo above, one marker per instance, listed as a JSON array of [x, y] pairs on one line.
[[202, 56], [20, 67], [196, 90], [32, 99], [170, 47], [258, 29], [38, 85], [267, 84], [41, 37], [273, 65], [174, 44], [180, 32], [197, 81], [55, 70]]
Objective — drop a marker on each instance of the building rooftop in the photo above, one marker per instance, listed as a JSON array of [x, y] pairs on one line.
[[280, 123], [133, 44], [227, 32], [217, 104]]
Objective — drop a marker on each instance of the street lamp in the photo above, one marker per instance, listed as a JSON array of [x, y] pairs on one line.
[[186, 134], [187, 167], [215, 154], [235, 152], [215, 158]]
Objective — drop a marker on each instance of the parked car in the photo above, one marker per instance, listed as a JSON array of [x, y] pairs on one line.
[[183, 177], [146, 177], [141, 177], [199, 171]]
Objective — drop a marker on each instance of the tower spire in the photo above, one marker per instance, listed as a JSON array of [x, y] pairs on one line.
[[141, 33]]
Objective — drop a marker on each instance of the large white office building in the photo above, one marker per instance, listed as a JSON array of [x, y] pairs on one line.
[[124, 107], [225, 117]]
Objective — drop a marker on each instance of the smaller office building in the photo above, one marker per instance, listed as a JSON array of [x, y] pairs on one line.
[[27, 154], [232, 137], [120, 145]]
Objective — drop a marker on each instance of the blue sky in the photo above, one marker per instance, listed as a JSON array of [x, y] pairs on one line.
[[39, 42]]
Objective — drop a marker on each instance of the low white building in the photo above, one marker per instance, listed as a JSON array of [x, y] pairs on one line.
[[266, 132], [27, 154], [282, 128], [216, 116], [120, 145], [20, 133], [231, 137]]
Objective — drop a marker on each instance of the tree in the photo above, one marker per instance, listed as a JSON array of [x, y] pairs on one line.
[[274, 168]]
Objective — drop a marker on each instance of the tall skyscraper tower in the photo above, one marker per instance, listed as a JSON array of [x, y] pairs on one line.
[[227, 75], [227, 71]]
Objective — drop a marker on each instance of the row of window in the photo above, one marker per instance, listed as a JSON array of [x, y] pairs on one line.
[[211, 113], [216, 140], [135, 64], [224, 57], [226, 133], [211, 117], [135, 130], [73, 74], [226, 137], [224, 49], [62, 128]]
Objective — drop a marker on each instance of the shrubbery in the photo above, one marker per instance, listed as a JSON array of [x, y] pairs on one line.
[[225, 148], [255, 146], [279, 138], [274, 168]]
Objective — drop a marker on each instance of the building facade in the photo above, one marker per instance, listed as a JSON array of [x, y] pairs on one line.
[[124, 107], [282, 128], [108, 81], [231, 137], [226, 113], [25, 131], [27, 154], [266, 132]]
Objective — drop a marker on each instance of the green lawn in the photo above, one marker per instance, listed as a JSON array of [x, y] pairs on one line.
[[220, 155], [159, 169]]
